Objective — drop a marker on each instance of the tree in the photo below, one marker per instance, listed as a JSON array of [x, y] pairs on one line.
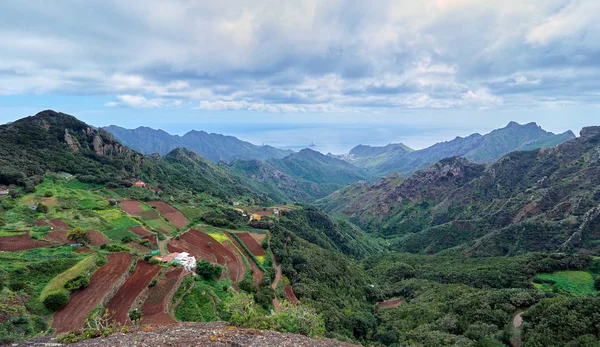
[[48, 194], [207, 270], [79, 235]]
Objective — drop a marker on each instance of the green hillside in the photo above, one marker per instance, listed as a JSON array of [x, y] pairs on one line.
[[524, 202]]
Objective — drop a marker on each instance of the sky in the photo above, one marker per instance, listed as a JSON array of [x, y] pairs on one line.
[[287, 73]]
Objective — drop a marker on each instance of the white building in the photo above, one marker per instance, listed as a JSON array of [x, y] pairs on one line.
[[186, 260]]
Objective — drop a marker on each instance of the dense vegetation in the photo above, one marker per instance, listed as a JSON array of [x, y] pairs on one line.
[[527, 201]]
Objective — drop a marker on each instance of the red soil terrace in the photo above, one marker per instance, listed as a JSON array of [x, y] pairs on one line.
[[171, 214], [20, 243], [121, 303], [251, 243], [81, 303], [156, 307]]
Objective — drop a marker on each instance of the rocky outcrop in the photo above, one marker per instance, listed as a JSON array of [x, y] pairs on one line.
[[589, 132], [194, 334], [72, 141]]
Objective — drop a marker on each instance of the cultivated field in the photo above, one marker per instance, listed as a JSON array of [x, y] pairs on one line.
[[257, 273], [251, 243], [122, 301], [155, 308], [81, 303], [20, 243], [171, 214], [203, 246]]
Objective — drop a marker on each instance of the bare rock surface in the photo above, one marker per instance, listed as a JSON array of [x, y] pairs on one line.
[[192, 334]]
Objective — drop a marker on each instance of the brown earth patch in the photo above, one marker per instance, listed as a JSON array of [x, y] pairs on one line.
[[121, 303], [155, 308], [131, 206], [20, 243], [81, 303], [251, 243], [140, 230], [171, 214], [137, 247], [257, 273], [258, 237], [59, 225], [288, 291], [390, 303], [84, 250], [58, 237], [97, 238]]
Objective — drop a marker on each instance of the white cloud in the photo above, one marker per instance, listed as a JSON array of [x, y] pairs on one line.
[[140, 101], [305, 56]]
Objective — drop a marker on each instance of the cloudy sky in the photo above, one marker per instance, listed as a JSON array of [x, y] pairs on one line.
[[290, 72]]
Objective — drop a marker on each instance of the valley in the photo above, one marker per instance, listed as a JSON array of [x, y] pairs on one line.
[[99, 239]]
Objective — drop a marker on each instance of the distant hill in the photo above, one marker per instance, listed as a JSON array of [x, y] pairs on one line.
[[278, 186], [57, 142], [329, 172], [539, 200], [214, 147], [380, 161]]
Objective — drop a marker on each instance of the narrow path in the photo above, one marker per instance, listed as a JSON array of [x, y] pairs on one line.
[[516, 340], [278, 276]]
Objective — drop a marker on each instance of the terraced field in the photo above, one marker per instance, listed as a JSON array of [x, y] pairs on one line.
[[122, 301], [81, 303]]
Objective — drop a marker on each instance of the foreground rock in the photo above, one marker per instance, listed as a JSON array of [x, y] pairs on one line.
[[193, 334]]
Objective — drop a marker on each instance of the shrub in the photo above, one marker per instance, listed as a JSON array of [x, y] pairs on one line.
[[78, 235], [152, 283], [77, 283], [135, 315], [56, 301], [113, 248], [48, 194], [247, 285], [126, 239]]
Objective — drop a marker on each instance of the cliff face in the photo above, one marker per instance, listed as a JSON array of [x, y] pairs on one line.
[[194, 334]]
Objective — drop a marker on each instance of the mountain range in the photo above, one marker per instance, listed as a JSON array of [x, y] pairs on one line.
[[538, 200], [381, 161], [451, 255], [214, 147]]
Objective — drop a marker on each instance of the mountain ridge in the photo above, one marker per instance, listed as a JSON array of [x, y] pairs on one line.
[[476, 147], [212, 146], [527, 201]]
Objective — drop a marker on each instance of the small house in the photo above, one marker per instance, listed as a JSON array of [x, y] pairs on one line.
[[276, 211], [255, 217], [186, 260], [4, 191], [140, 184], [33, 207], [235, 203]]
